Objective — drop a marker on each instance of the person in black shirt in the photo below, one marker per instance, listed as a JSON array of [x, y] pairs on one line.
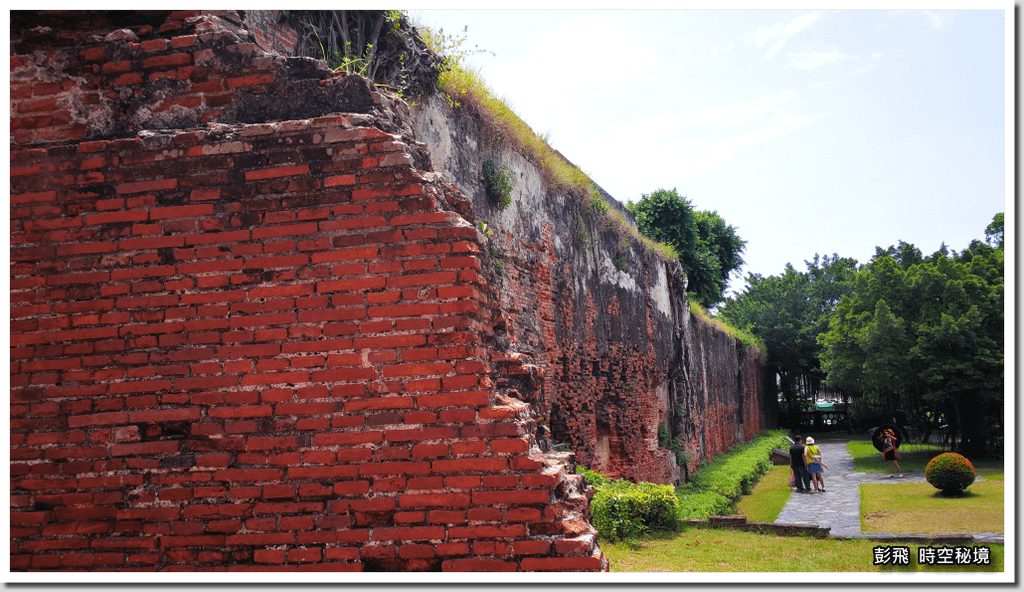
[[798, 460]]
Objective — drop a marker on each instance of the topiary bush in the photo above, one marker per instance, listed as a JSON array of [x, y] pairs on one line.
[[950, 472]]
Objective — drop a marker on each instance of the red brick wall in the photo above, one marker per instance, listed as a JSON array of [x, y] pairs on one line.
[[258, 346], [596, 330]]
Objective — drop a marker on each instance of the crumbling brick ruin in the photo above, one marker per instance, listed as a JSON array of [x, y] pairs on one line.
[[255, 324]]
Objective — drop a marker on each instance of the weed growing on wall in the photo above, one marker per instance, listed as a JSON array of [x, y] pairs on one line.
[[499, 183], [748, 340], [582, 234]]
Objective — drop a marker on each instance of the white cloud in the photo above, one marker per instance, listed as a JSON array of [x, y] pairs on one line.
[[587, 50], [939, 20], [724, 115], [780, 33], [808, 61]]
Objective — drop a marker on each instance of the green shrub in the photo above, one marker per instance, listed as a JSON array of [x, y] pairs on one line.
[[499, 182], [698, 505], [950, 472], [623, 510], [717, 485], [593, 477]]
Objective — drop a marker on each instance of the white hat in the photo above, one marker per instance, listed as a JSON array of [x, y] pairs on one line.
[[810, 440]]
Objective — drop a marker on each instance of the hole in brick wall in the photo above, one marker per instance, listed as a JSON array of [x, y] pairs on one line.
[[163, 431], [604, 427]]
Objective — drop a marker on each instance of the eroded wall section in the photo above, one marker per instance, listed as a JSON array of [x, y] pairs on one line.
[[249, 328]]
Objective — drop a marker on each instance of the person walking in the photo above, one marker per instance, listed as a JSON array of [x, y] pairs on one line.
[[814, 465], [889, 451], [798, 461]]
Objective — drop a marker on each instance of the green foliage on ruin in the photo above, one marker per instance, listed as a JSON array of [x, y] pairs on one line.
[[709, 249], [749, 340], [499, 182], [465, 88]]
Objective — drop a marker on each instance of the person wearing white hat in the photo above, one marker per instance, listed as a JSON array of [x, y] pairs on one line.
[[814, 465]]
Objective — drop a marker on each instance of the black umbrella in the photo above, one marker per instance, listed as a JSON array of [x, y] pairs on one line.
[[876, 436]]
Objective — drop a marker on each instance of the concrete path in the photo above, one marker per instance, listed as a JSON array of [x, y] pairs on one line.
[[838, 507]]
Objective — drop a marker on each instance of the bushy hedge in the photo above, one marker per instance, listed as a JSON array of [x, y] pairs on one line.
[[950, 472], [736, 472], [622, 510]]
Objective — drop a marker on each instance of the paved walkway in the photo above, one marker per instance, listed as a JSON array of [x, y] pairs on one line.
[[839, 506]]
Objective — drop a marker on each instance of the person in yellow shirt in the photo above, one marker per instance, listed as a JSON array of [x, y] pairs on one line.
[[814, 465]]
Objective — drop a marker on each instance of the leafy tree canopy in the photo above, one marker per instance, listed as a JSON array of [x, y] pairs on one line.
[[709, 249], [922, 337]]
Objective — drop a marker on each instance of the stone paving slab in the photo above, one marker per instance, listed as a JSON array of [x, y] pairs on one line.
[[838, 507]]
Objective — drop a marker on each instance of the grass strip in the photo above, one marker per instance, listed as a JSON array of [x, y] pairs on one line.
[[919, 508], [720, 550], [768, 498]]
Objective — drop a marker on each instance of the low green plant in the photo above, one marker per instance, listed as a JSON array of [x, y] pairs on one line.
[[728, 476], [748, 340], [623, 510], [950, 472], [582, 234], [593, 478], [499, 182]]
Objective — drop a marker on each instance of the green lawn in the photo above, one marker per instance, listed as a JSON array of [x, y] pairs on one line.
[[768, 498], [912, 504], [720, 550], [913, 457], [919, 508]]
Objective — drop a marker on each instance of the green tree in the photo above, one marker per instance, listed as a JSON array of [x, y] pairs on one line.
[[922, 337], [788, 312], [709, 249], [994, 231]]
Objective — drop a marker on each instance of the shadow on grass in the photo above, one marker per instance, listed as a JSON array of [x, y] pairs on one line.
[[962, 494]]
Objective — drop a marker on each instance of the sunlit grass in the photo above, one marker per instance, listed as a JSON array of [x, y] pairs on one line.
[[867, 459], [913, 457], [746, 339], [768, 498], [919, 508], [721, 550]]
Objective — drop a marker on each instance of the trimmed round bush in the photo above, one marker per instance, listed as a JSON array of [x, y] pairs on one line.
[[950, 472]]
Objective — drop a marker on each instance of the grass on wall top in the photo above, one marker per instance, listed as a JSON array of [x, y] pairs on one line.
[[463, 86], [749, 341]]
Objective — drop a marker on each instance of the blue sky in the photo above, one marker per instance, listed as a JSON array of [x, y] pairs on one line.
[[810, 131]]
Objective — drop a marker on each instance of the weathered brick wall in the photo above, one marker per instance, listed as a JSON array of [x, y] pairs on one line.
[[251, 329], [595, 329], [248, 341]]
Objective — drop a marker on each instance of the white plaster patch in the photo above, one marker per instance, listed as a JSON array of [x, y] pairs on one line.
[[609, 273], [660, 295]]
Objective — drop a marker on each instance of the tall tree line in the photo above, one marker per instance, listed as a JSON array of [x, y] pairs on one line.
[[911, 337]]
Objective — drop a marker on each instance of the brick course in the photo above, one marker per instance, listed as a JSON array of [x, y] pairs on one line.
[[225, 354], [247, 333]]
